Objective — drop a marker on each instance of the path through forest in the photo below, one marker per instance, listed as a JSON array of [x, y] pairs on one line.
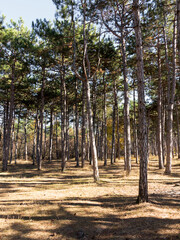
[[54, 205]]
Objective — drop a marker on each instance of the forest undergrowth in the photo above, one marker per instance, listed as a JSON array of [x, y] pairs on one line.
[[52, 205]]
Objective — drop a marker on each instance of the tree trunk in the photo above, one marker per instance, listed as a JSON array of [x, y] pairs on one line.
[[45, 136], [63, 117], [37, 140], [105, 123], [160, 153], [126, 100], [83, 140], [143, 183], [67, 133], [51, 135], [178, 28], [92, 137], [17, 138], [118, 136], [25, 140], [113, 135], [77, 125], [34, 142], [178, 131], [135, 126], [8, 119], [41, 119], [57, 149], [12, 139], [171, 95]]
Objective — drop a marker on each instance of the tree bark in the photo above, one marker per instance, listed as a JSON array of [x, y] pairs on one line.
[[41, 120], [83, 140], [160, 153], [17, 138], [178, 28], [8, 119], [105, 123], [126, 99], [34, 142], [76, 125], [143, 182], [171, 95], [135, 126], [25, 140], [92, 137], [63, 118], [51, 135]]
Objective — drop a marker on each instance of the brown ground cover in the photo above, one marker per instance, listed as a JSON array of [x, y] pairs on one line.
[[54, 205]]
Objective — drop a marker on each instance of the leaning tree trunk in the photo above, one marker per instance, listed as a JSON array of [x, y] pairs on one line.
[[160, 153], [143, 182], [91, 133]]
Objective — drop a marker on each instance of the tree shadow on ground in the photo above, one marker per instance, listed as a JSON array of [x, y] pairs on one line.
[[79, 224]]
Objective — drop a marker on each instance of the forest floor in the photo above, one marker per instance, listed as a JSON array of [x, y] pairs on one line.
[[51, 205]]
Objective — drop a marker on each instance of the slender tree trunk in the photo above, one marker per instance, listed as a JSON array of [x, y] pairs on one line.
[[67, 134], [41, 119], [113, 135], [135, 126], [160, 153], [118, 136], [77, 125], [171, 95], [92, 137], [105, 123], [178, 28], [178, 131], [143, 182], [51, 135], [163, 128], [45, 136], [126, 101], [57, 149], [17, 138], [37, 140], [94, 102], [83, 140], [25, 140], [34, 142], [9, 118], [12, 138], [63, 118], [5, 123], [88, 147]]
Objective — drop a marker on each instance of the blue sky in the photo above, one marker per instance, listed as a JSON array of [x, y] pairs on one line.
[[29, 10]]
